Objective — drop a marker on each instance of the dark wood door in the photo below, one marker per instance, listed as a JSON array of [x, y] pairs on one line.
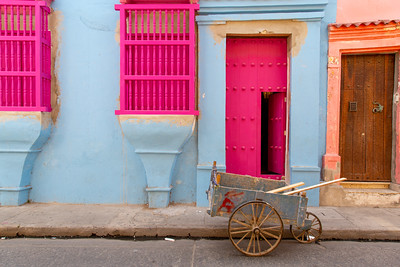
[[366, 117]]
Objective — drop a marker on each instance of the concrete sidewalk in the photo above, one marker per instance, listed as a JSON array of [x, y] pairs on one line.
[[38, 220]]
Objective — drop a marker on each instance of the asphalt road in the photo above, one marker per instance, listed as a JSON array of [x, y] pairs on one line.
[[107, 252]]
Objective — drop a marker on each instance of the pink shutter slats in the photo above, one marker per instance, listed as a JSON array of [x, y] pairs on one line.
[[129, 66], [25, 56], [165, 60], [157, 59]]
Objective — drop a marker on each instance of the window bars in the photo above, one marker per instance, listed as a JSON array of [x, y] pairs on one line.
[[157, 59], [25, 56]]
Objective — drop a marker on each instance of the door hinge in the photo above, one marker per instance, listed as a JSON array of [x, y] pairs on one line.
[[285, 100], [284, 133]]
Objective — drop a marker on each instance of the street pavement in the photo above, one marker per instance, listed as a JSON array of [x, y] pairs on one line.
[[75, 220], [32, 252]]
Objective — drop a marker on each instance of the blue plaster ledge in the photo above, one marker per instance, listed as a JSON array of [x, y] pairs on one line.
[[158, 140], [22, 135], [211, 10]]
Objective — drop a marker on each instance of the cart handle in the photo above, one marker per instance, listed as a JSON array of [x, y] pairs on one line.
[[214, 178], [281, 189], [314, 186]]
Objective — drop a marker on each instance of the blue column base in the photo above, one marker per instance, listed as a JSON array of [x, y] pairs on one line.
[[14, 196], [158, 196], [310, 175], [158, 139], [22, 135]]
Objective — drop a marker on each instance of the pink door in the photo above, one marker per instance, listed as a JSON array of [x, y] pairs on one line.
[[276, 138], [256, 85]]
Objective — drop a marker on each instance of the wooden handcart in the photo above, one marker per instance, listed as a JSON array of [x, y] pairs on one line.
[[258, 209]]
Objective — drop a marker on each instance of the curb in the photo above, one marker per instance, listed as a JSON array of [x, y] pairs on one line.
[[27, 231]]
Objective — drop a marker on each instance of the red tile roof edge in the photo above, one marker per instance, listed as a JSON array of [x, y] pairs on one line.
[[367, 23]]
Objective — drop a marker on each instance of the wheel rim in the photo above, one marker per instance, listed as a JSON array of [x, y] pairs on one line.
[[311, 235], [255, 228]]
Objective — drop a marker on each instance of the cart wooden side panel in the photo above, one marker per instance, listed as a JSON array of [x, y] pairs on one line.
[[224, 200], [248, 182], [234, 190]]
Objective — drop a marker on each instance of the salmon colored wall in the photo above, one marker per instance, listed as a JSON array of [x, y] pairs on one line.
[[381, 38], [367, 10]]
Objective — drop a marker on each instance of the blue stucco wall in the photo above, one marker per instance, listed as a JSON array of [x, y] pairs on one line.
[[87, 159]]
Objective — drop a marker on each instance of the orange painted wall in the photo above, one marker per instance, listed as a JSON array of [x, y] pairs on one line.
[[367, 10]]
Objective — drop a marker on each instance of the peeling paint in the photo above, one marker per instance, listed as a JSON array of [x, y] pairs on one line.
[[333, 60], [55, 22], [6, 116], [297, 29], [46, 120], [43, 117], [178, 120], [117, 35]]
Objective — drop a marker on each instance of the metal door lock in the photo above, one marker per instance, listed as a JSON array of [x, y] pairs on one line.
[[377, 109]]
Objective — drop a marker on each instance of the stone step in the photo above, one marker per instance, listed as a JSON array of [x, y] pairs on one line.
[[372, 197], [372, 185], [341, 196]]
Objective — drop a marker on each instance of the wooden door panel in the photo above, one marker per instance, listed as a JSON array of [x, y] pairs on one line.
[[276, 137], [370, 77], [366, 137], [378, 121], [388, 115], [241, 131]]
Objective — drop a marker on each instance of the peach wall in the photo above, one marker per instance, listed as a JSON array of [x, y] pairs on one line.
[[367, 10]]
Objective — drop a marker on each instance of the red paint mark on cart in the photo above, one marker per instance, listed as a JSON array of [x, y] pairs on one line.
[[229, 202]]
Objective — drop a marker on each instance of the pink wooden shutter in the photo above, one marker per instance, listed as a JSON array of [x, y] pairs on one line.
[[25, 56], [157, 59]]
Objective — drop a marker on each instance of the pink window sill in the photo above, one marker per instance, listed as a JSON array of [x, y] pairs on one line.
[[156, 112], [41, 109], [48, 2], [158, 1]]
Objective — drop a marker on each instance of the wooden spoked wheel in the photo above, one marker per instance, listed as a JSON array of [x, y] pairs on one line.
[[255, 228], [311, 235]]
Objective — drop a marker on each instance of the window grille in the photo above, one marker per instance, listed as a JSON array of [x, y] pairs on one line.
[[157, 58], [25, 56]]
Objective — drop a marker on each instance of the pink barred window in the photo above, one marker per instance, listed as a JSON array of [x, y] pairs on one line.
[[157, 58], [25, 56]]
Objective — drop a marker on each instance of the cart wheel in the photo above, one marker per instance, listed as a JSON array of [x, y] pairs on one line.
[[311, 235], [255, 228]]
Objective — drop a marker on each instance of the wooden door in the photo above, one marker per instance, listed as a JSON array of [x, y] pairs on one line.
[[366, 117], [254, 67], [276, 140]]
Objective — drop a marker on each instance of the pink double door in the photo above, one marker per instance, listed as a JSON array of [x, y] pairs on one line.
[[256, 86]]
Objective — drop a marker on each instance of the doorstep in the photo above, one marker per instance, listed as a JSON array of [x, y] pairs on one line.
[[360, 194]]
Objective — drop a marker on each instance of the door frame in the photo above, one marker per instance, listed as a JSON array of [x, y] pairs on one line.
[[286, 176], [358, 39]]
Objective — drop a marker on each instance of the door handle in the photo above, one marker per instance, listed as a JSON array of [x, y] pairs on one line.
[[377, 109]]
